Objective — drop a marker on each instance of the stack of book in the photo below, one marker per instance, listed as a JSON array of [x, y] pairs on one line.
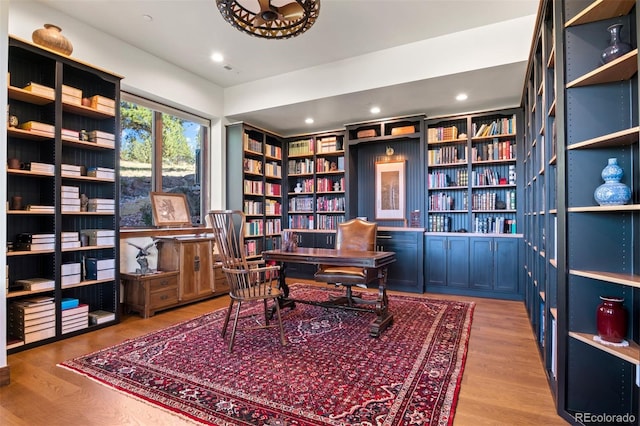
[[33, 242], [101, 172], [100, 237], [102, 138], [71, 273], [70, 134], [102, 205], [40, 167], [100, 317], [33, 284], [70, 197], [75, 316], [39, 208], [70, 239], [40, 90], [99, 269], [103, 104], [33, 319], [71, 95], [38, 128], [70, 170]]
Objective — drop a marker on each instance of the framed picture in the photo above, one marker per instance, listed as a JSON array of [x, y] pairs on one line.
[[170, 209], [390, 190]]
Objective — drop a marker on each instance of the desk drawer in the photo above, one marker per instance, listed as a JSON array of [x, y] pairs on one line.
[[160, 299], [163, 283]]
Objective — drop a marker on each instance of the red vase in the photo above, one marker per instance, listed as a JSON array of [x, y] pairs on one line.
[[611, 319]]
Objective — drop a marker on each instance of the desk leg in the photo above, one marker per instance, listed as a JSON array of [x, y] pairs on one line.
[[284, 301], [384, 317]]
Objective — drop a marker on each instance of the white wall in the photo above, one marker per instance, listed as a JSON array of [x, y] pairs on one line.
[[144, 74], [4, 22]]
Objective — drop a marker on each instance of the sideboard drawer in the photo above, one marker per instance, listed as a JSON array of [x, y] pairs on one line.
[[160, 299], [163, 283]]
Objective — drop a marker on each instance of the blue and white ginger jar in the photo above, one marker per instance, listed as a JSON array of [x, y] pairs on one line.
[[612, 192]]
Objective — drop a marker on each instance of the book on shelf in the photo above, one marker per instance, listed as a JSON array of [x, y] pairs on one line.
[[69, 236], [100, 317], [70, 244], [40, 208], [71, 134], [99, 269], [70, 191], [40, 90], [26, 237], [101, 205], [101, 172], [34, 246], [32, 284], [14, 342], [71, 279], [69, 303], [36, 126]]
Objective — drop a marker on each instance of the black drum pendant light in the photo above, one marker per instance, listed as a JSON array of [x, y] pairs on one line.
[[272, 19]]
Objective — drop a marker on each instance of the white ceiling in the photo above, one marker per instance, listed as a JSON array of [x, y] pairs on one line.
[[187, 32]]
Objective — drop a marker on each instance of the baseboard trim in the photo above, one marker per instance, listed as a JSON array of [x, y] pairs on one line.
[[4, 376]]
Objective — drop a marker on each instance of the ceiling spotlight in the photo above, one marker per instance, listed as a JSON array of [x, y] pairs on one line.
[[461, 97], [269, 21], [147, 18], [375, 110], [309, 120], [217, 57]]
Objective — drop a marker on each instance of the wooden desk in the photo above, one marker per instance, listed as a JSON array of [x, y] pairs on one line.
[[378, 260]]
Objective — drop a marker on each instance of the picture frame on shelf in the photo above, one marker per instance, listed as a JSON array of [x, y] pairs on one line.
[[390, 190], [170, 209]]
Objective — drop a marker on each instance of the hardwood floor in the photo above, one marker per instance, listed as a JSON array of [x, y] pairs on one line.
[[503, 382]]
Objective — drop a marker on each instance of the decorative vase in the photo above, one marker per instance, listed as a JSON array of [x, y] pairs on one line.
[[616, 47], [50, 37], [611, 319], [612, 192]]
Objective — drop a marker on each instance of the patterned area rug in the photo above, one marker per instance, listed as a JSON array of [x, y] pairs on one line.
[[330, 373]]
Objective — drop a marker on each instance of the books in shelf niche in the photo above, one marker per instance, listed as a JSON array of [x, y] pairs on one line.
[[33, 284], [37, 127], [70, 239], [100, 237], [273, 169], [32, 319], [34, 242], [494, 225], [329, 144], [102, 138], [75, 317], [273, 207], [273, 189], [100, 317], [40, 90], [101, 172], [496, 150], [296, 167], [40, 167], [99, 269], [251, 144], [102, 205], [71, 273], [70, 198], [447, 155], [70, 170], [71, 134], [301, 147], [439, 223], [441, 202], [501, 126], [39, 208], [273, 151]]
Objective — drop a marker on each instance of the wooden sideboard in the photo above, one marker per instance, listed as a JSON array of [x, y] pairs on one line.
[[189, 273]]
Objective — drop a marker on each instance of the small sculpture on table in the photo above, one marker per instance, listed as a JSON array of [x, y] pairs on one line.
[[141, 258]]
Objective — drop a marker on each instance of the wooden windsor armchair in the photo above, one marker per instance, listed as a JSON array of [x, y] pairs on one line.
[[249, 281]]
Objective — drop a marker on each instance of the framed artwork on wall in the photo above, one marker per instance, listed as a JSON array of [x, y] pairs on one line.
[[170, 209], [390, 190]]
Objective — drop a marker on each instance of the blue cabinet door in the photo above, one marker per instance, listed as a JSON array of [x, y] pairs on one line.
[[406, 273], [481, 265], [436, 261], [458, 262], [505, 264]]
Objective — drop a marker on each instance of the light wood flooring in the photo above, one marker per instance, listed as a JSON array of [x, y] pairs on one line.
[[503, 382]]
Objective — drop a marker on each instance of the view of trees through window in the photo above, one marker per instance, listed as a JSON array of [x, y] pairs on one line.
[[168, 160]]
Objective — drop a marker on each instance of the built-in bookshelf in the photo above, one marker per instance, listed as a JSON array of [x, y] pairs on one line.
[[579, 113], [472, 173], [62, 188], [316, 181], [256, 187]]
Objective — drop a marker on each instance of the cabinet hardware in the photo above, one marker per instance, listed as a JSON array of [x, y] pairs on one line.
[[196, 263]]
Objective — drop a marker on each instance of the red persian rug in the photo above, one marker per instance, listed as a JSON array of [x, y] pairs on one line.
[[330, 373]]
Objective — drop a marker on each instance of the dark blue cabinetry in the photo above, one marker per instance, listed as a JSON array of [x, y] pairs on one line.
[[406, 273]]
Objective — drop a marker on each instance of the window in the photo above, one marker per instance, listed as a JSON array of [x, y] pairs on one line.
[[161, 149]]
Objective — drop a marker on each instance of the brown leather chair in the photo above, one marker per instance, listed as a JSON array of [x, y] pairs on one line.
[[355, 234]]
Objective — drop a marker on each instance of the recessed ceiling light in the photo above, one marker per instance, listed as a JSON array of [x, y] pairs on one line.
[[461, 97], [375, 110], [147, 18], [217, 57], [309, 120]]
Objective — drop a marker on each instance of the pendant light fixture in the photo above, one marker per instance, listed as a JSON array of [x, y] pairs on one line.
[[271, 19]]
